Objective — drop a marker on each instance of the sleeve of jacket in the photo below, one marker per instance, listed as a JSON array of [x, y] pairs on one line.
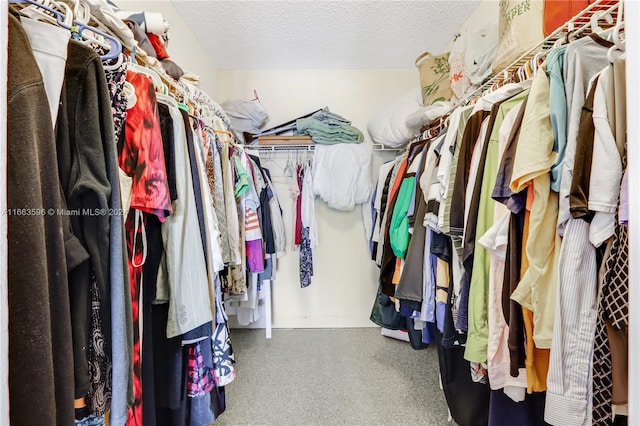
[[89, 189]]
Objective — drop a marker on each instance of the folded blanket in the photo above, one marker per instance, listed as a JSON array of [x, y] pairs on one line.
[[328, 132]]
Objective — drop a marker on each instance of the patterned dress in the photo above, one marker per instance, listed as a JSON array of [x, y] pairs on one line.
[[142, 158]]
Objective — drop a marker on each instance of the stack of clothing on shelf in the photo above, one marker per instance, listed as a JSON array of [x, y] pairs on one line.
[[328, 128]]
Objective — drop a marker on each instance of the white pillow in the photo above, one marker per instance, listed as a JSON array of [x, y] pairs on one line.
[[389, 127], [427, 115]]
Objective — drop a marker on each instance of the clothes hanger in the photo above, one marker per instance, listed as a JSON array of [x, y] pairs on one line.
[[619, 44], [130, 94], [162, 81], [80, 27], [268, 156], [521, 74], [184, 107], [223, 132], [114, 66], [82, 13], [155, 78], [536, 61], [597, 16], [560, 41], [47, 11], [61, 19], [288, 169], [230, 141]]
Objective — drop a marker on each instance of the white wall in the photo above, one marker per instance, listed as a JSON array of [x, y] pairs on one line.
[[184, 49], [345, 279]]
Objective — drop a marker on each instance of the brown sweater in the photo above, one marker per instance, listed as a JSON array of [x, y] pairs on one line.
[[40, 350]]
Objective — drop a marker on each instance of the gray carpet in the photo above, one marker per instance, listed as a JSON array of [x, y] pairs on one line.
[[332, 377]]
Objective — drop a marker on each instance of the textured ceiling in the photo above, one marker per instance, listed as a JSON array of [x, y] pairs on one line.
[[298, 34]]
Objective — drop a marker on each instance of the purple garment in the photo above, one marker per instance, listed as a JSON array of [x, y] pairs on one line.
[[255, 256], [204, 409], [623, 211], [201, 377], [298, 201]]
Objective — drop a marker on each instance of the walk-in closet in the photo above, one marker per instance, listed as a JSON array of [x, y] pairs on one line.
[[291, 212]]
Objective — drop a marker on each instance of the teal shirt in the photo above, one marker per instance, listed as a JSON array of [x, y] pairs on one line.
[[558, 111]]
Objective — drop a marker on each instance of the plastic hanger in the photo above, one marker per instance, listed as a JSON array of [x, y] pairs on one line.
[[231, 141], [593, 21], [82, 13], [564, 40], [223, 132], [615, 35], [110, 67], [523, 73], [78, 27], [288, 169], [560, 41], [184, 107], [48, 11], [155, 78], [130, 93]]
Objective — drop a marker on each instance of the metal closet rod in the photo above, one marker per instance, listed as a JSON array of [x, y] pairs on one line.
[[286, 148]]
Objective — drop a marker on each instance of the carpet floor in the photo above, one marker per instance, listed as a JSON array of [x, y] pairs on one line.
[[332, 377]]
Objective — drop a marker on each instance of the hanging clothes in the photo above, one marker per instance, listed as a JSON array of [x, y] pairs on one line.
[[142, 158], [309, 234], [519, 233], [38, 292]]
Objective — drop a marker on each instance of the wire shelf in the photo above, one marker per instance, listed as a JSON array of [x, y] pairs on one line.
[[578, 26], [287, 148]]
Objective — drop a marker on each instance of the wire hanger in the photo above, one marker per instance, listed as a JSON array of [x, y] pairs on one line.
[[78, 27]]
